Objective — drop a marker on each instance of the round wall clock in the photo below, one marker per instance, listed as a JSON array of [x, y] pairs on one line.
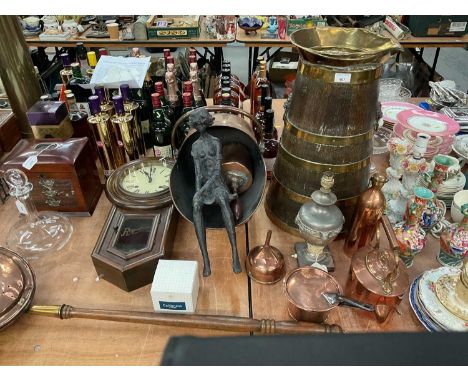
[[142, 184]]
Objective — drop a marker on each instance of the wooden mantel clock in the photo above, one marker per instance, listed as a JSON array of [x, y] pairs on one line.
[[140, 227]]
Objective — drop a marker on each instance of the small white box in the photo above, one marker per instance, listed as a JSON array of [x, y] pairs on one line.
[[175, 286]]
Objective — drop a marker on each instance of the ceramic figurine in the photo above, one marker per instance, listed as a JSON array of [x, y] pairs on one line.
[[393, 191], [454, 242], [398, 148], [410, 236], [210, 186], [414, 165]]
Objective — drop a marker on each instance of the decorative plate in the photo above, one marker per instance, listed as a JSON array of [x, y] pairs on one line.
[[429, 300], [428, 122], [460, 146], [413, 300], [445, 291], [391, 109]]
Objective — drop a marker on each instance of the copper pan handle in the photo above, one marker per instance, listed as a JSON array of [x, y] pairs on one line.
[[215, 109]]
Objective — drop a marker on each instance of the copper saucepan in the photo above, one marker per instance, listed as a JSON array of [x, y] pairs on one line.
[[313, 293]]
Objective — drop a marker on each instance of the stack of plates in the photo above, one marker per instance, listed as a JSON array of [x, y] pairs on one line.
[[460, 146], [441, 128], [391, 109], [427, 307]]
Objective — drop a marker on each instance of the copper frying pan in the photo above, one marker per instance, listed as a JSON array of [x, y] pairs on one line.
[[18, 283]]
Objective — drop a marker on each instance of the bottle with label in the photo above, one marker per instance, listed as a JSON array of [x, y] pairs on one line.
[[101, 128], [82, 57], [257, 91], [185, 128], [133, 109], [66, 73], [79, 121], [106, 105], [166, 54], [92, 62], [173, 92], [198, 95], [270, 144], [260, 116], [161, 129]]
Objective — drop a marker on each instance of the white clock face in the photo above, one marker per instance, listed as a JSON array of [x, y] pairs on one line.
[[146, 179]]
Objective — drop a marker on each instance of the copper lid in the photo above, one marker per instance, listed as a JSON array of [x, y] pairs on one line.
[[17, 286], [265, 263], [304, 287]]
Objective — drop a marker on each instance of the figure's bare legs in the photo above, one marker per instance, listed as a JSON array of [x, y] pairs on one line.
[[200, 230], [228, 218]]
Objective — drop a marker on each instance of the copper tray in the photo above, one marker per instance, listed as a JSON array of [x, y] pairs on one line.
[[17, 286]]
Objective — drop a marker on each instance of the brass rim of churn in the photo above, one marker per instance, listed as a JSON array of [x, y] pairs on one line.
[[265, 263]]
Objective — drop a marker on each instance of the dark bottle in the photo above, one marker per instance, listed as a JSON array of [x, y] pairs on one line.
[[257, 90], [81, 94], [66, 73], [82, 57], [79, 121], [226, 82], [260, 116], [166, 54], [173, 98], [133, 109], [103, 52], [270, 144], [159, 88], [234, 97], [143, 98], [101, 128], [185, 128], [122, 123], [188, 88], [161, 129], [268, 105], [226, 98]]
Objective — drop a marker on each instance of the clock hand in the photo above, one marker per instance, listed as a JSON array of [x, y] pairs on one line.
[[146, 173]]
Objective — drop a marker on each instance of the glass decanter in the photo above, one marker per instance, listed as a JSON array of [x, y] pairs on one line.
[[34, 233]]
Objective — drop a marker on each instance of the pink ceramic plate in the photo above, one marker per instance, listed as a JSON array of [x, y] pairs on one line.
[[428, 122], [391, 109]]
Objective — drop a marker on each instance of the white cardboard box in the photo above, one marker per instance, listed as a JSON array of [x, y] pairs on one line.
[[175, 286]]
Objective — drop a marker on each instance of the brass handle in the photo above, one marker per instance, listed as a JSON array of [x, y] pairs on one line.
[[215, 109], [390, 233]]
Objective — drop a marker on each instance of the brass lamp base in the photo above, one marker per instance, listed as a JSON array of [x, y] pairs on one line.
[[304, 258]]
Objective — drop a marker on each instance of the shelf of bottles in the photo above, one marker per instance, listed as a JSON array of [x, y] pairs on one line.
[[126, 124]]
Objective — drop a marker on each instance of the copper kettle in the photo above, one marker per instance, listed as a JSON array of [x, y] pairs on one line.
[[379, 276]]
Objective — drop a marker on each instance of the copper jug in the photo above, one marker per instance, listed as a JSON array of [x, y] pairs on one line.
[[379, 276], [368, 212]]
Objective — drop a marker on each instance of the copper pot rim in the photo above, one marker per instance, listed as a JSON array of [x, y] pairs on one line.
[[302, 307]]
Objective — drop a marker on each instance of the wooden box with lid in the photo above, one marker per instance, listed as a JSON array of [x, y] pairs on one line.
[[65, 177]]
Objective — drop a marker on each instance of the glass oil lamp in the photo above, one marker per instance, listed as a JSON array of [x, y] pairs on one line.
[[319, 221]]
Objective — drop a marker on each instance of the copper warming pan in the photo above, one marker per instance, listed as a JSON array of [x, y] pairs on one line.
[[17, 287]]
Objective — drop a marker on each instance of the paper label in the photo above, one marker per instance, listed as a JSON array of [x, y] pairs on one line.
[[163, 151], [457, 26], [21, 207], [343, 77], [30, 162], [172, 305]]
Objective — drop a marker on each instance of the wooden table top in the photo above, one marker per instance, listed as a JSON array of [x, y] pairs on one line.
[[255, 40], [69, 277], [202, 41]]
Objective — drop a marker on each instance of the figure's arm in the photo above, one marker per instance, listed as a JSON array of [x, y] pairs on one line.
[[219, 157], [197, 170]]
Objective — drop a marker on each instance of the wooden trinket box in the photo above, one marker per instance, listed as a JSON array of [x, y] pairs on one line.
[[65, 177]]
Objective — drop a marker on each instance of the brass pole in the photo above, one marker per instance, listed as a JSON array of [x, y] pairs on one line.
[[17, 71]]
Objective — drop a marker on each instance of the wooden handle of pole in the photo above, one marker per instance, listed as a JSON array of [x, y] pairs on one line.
[[212, 322]]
